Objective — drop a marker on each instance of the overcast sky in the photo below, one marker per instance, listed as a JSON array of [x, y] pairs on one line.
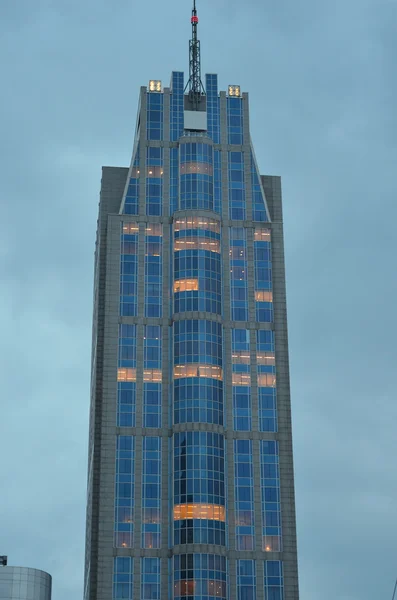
[[322, 85]]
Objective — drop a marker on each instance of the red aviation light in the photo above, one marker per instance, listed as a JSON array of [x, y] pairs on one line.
[[194, 20]]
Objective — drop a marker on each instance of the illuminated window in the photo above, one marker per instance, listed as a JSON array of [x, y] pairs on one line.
[[185, 285], [126, 374], [130, 228], [266, 380], [265, 358], [155, 229], [264, 296], [196, 167], [154, 85], [197, 223], [154, 375], [262, 235], [197, 370], [240, 357], [241, 379], [154, 172], [211, 512], [234, 90], [197, 243]]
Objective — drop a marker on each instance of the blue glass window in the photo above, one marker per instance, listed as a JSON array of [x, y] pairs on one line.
[[152, 387], [126, 390], [197, 265], [235, 120], [154, 181], [274, 580], [196, 176], [270, 492], [151, 492], [246, 580], [238, 274], [153, 269], [155, 116], [129, 269], [176, 107], [263, 275], [244, 495], [174, 168], [123, 578], [199, 577], [132, 194], [213, 108], [236, 186], [199, 488], [124, 492], [150, 579], [266, 381], [241, 380]]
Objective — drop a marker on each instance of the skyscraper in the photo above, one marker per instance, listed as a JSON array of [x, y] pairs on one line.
[[190, 482]]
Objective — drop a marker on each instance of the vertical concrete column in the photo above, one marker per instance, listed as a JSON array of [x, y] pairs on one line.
[[109, 409], [283, 398]]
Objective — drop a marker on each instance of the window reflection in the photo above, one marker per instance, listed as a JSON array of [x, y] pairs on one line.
[[213, 512], [197, 370]]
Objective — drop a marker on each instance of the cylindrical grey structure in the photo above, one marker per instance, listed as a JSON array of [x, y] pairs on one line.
[[21, 583]]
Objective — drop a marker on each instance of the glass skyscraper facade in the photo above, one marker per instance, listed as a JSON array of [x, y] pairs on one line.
[[190, 483]]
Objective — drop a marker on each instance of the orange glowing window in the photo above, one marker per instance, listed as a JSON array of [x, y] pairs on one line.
[[262, 235], [211, 512], [265, 358], [240, 357], [263, 296], [197, 370], [197, 243], [184, 588], [185, 285], [266, 380], [154, 229], [124, 374], [130, 228], [154, 172], [181, 224], [154, 375], [241, 379], [272, 543]]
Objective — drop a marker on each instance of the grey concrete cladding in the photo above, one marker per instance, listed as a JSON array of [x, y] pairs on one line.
[[100, 551], [21, 583]]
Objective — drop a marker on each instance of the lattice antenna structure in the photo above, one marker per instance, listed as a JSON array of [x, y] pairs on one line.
[[195, 85]]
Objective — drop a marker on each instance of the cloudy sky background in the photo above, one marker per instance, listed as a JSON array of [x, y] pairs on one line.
[[322, 85]]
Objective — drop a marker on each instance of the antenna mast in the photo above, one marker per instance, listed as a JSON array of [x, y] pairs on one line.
[[195, 85]]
